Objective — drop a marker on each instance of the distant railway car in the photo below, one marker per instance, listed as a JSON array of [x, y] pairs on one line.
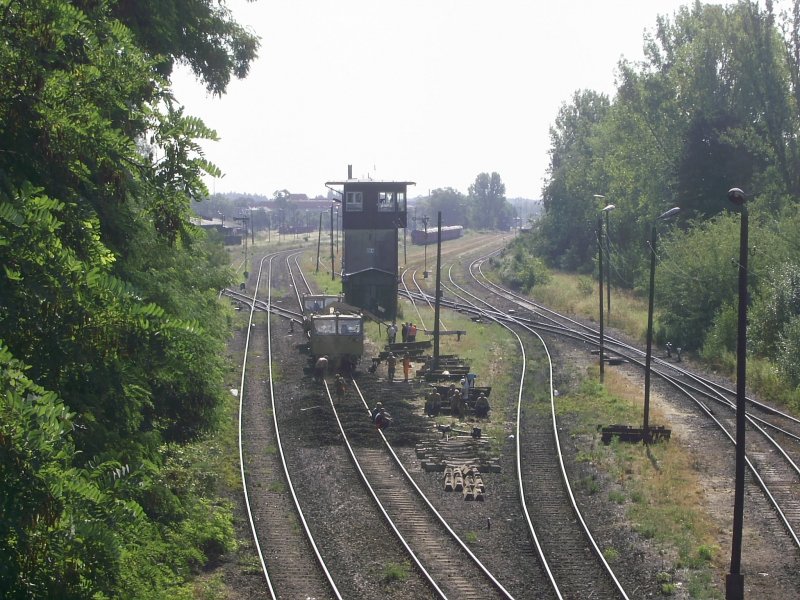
[[429, 236], [340, 337]]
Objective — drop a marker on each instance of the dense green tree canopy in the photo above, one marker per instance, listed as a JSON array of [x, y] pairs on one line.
[[714, 104], [484, 207], [452, 204], [489, 208], [110, 331]]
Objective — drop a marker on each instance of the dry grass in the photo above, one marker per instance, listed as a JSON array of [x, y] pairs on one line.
[[660, 486], [578, 295]]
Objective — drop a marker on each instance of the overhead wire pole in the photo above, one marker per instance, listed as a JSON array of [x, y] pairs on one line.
[[600, 279], [608, 259], [606, 210], [734, 581], [424, 220], [608, 271], [437, 304], [333, 266], [319, 240], [405, 256]]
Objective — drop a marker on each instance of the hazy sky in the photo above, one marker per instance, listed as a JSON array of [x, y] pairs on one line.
[[430, 91]]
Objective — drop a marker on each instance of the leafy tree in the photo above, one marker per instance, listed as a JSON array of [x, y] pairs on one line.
[[710, 107], [107, 291], [56, 534], [452, 203], [777, 306], [489, 207], [696, 279], [789, 352], [567, 231], [200, 33]]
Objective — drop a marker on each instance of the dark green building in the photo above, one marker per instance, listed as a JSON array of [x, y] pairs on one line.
[[372, 213]]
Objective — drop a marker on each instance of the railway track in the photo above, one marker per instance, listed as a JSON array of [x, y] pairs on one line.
[[288, 556], [567, 548], [452, 569], [570, 561], [567, 565], [441, 557], [772, 462]]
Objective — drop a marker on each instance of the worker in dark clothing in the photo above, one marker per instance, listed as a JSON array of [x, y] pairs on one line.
[[339, 386], [391, 363], [433, 404], [482, 406], [404, 333], [456, 401], [380, 417], [320, 368]]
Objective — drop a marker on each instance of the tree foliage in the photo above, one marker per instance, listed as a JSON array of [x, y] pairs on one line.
[[567, 231], [484, 207], [110, 330], [200, 33], [450, 202], [713, 105], [489, 207]]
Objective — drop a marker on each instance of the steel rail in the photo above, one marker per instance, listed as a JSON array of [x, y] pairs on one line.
[[307, 530], [414, 304], [720, 399], [365, 480], [263, 306], [264, 569], [613, 341], [430, 505], [565, 478]]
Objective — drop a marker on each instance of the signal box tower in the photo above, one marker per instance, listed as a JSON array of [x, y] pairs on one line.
[[372, 213]]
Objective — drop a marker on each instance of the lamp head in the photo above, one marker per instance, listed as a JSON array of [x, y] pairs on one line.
[[669, 214], [599, 196], [736, 196], [608, 208]]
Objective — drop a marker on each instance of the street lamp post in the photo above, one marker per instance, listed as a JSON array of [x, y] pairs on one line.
[[424, 220], [734, 581], [606, 210], [438, 289], [608, 261], [648, 356], [333, 271]]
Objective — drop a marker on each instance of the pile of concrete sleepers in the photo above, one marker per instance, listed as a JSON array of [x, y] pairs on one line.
[[466, 479]]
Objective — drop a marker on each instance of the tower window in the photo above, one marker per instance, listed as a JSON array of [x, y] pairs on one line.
[[387, 202], [354, 202]]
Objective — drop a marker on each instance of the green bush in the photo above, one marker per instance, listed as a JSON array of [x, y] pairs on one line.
[[775, 307], [395, 572], [720, 341], [610, 554], [789, 352], [585, 286]]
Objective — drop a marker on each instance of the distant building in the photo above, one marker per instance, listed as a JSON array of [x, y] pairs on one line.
[[231, 236]]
